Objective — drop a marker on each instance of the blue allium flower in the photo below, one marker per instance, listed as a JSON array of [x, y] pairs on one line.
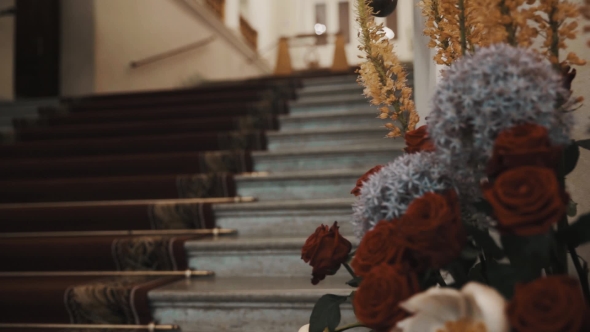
[[483, 94], [387, 193]]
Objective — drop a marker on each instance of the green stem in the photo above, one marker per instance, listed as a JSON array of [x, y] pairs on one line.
[[582, 274], [462, 27], [510, 28], [349, 269], [349, 326], [554, 26]]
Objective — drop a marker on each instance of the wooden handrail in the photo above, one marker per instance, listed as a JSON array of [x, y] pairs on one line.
[[218, 6], [249, 33], [173, 52]]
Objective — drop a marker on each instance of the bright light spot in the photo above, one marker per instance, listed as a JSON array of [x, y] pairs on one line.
[[319, 28], [389, 33]]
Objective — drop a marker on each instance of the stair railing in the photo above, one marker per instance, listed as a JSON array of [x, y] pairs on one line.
[[173, 52], [249, 33]]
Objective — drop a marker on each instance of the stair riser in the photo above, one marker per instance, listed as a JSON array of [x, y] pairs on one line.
[[368, 119], [318, 140], [244, 317], [315, 188], [259, 263], [285, 223], [328, 107], [360, 160], [332, 89]]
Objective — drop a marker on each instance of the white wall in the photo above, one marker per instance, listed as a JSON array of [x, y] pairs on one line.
[[6, 53], [77, 67]]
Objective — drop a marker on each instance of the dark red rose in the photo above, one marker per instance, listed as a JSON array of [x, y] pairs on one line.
[[526, 200], [325, 250], [418, 140], [523, 145], [359, 183], [377, 246], [431, 231], [376, 302], [551, 304]]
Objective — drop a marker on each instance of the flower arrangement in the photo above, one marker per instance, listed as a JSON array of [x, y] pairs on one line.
[[468, 230], [382, 74]]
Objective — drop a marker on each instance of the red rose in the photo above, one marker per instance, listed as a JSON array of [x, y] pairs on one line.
[[377, 246], [376, 302], [418, 140], [551, 304], [523, 145], [526, 200], [325, 250], [359, 183], [431, 231]]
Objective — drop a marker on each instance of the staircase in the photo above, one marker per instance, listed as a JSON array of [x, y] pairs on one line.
[[151, 161]]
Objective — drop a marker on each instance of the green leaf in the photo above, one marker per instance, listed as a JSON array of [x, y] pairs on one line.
[[326, 313], [584, 144], [571, 154], [483, 239], [528, 254], [469, 252], [484, 207], [577, 233], [355, 282], [502, 277], [459, 269], [475, 274], [572, 208]]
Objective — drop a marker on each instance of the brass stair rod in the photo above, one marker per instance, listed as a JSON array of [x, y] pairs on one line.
[[147, 232], [148, 327], [185, 273]]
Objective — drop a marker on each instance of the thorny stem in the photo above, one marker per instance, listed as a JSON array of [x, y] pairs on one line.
[[349, 269], [349, 326], [582, 273], [462, 26]]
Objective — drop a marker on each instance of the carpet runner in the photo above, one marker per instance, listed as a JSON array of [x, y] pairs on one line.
[[122, 162]]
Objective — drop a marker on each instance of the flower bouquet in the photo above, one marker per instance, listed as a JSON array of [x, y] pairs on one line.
[[468, 230]]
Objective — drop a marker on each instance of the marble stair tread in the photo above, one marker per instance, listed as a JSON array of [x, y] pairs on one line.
[[315, 184], [246, 304], [321, 158], [285, 217], [364, 116], [329, 80], [252, 256], [338, 88], [328, 100], [247, 289], [324, 137]]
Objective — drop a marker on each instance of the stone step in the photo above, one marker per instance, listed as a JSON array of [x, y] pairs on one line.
[[245, 304], [317, 184], [339, 88], [316, 138], [365, 116], [286, 217], [357, 156], [252, 257], [340, 79], [323, 100]]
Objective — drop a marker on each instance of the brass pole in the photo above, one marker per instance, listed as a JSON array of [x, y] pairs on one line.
[[186, 273], [147, 232], [149, 327], [212, 200]]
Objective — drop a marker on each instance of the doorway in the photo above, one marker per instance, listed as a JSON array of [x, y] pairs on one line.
[[37, 45]]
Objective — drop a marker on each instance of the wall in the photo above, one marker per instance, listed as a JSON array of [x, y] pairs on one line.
[[578, 182], [6, 53], [77, 47], [134, 29]]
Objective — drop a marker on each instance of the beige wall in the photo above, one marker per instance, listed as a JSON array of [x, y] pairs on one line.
[[6, 53], [130, 30], [77, 47]]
